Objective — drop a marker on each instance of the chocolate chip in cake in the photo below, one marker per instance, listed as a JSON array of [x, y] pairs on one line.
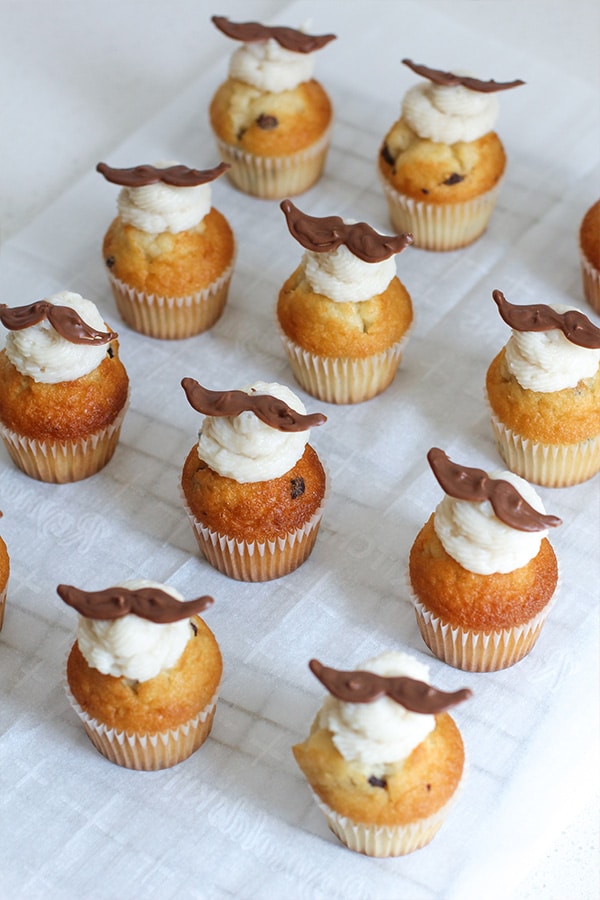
[[267, 122], [424, 191], [377, 782], [110, 352], [297, 487], [110, 261], [194, 628], [387, 156], [455, 178], [241, 134]]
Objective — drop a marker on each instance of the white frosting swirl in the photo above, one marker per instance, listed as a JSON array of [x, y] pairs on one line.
[[474, 536], [547, 361], [268, 66], [132, 647], [156, 208], [245, 448], [343, 277], [41, 353], [448, 114], [382, 732]]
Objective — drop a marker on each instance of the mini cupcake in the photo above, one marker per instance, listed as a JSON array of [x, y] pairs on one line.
[[544, 392], [589, 249], [441, 163], [344, 314], [482, 571], [254, 489], [169, 253], [271, 119], [63, 388], [4, 573], [144, 672], [383, 758]]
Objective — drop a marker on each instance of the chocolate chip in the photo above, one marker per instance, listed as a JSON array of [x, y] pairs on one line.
[[455, 178], [267, 122], [110, 261], [194, 628], [424, 191], [241, 133], [297, 487], [428, 786], [386, 155], [377, 782], [110, 352]]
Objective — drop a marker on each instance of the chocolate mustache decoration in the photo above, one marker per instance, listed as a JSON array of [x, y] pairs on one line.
[[575, 326], [268, 409], [147, 603], [289, 38], [176, 176], [464, 483], [364, 687], [322, 235], [438, 76], [66, 321]]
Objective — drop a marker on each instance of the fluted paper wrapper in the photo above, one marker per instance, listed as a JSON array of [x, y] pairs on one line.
[[343, 380], [172, 318], [151, 751], [60, 462], [443, 226], [549, 465], [275, 177], [591, 282]]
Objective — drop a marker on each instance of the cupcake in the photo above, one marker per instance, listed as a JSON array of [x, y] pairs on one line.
[[169, 254], [441, 163], [144, 672], [253, 488], [271, 119], [383, 758], [344, 314], [589, 249], [543, 389], [4, 573], [482, 571], [63, 388]]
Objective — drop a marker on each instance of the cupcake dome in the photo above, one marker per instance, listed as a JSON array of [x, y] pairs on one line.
[[63, 388], [482, 571], [383, 757], [441, 162], [169, 254], [144, 672], [271, 118]]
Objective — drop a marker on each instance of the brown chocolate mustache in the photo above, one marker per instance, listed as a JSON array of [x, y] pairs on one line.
[[176, 176], [575, 326], [322, 235], [465, 483], [364, 687], [289, 38], [438, 76], [66, 321], [147, 603], [268, 409]]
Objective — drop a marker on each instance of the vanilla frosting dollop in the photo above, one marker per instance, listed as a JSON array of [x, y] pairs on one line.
[[449, 113], [132, 647], [341, 276], [40, 352], [547, 361], [268, 66], [373, 735], [478, 540], [159, 207], [246, 449]]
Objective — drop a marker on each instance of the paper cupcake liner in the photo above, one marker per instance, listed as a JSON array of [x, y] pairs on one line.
[[171, 318], [384, 840], [444, 226], [2, 606], [591, 282], [275, 177], [60, 462], [257, 560], [342, 379], [151, 751], [549, 465]]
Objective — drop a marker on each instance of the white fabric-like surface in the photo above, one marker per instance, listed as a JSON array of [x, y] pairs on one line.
[[237, 817]]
